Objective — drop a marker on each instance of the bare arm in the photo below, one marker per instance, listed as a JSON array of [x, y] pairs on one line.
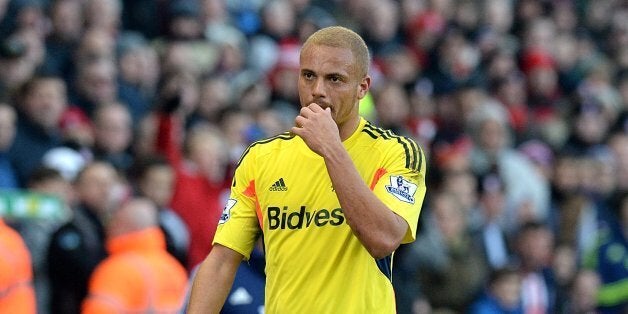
[[377, 227], [213, 280]]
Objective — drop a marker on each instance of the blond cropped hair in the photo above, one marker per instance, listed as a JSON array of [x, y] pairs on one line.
[[342, 37]]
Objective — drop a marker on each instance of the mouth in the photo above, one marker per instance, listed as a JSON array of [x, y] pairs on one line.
[[325, 106]]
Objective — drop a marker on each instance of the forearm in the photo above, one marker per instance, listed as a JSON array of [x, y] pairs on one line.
[[378, 228], [213, 281]]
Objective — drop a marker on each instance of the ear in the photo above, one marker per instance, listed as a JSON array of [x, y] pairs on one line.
[[364, 86]]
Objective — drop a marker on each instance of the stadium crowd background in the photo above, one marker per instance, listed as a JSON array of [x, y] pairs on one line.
[[520, 105]]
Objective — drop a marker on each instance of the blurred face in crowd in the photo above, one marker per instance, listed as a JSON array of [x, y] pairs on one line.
[[401, 66], [215, 94], [45, 102], [7, 126], [214, 10], [113, 128], [97, 187], [591, 126], [145, 135], [493, 201], [131, 66], [278, 18], [96, 43], [392, 105], [97, 81], [463, 184], [585, 290], [564, 264], [104, 14], [499, 15], [58, 187], [535, 248], [619, 146], [492, 136], [206, 148], [157, 184], [565, 176], [386, 13], [449, 216], [67, 19], [507, 290]]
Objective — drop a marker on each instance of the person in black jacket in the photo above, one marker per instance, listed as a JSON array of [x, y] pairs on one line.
[[78, 246]]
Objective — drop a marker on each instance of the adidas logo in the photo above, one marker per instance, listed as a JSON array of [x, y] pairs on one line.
[[278, 186]]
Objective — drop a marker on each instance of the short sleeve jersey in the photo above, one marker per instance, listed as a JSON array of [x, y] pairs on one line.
[[314, 263]]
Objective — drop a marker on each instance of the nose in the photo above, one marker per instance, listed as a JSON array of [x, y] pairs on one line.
[[318, 88]]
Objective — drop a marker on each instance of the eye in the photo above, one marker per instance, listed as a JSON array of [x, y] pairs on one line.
[[335, 78], [308, 75]]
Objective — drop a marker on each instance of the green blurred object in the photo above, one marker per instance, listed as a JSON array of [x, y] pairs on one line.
[[367, 107], [15, 204]]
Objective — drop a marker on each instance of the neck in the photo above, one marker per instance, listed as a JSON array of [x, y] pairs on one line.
[[348, 127]]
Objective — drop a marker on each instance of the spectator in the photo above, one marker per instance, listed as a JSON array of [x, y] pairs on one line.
[[608, 259], [584, 292], [36, 231], [41, 103], [78, 246], [95, 84], [184, 20], [502, 295], [155, 180], [533, 244], [527, 193], [8, 124], [496, 243], [104, 14], [448, 260], [139, 275], [202, 179], [133, 55], [113, 133], [66, 21], [16, 274]]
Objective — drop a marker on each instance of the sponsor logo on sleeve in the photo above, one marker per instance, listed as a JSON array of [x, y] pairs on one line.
[[226, 212], [402, 189]]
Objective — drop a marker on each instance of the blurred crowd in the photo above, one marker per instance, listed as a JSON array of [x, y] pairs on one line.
[[121, 123]]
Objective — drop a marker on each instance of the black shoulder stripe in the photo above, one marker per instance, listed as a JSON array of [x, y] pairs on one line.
[[418, 158], [410, 150], [367, 131], [282, 136], [421, 154]]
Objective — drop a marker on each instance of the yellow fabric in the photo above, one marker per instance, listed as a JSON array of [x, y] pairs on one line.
[[314, 264]]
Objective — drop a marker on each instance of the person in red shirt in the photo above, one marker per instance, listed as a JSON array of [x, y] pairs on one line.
[[202, 178]]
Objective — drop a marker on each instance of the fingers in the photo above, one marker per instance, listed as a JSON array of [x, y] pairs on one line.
[[299, 121], [307, 113]]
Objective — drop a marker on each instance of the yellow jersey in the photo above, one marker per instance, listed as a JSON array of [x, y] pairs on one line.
[[314, 263]]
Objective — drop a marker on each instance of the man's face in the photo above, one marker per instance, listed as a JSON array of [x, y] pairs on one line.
[[46, 102], [328, 76]]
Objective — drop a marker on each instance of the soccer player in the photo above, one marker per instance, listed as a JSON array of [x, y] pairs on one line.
[[332, 199]]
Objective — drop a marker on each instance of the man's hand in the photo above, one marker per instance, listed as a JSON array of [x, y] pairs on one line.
[[317, 128]]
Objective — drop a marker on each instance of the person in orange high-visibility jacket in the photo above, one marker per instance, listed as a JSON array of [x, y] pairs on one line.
[[139, 276], [17, 294]]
